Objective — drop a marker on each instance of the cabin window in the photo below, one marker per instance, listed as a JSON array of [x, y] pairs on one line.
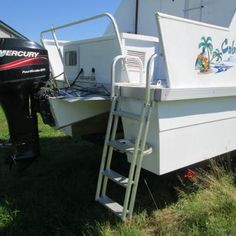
[[71, 58]]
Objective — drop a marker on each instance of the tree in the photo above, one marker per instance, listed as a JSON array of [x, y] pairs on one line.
[[218, 55], [206, 44]]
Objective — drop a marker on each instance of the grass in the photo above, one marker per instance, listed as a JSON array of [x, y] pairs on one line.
[[55, 195], [209, 209]]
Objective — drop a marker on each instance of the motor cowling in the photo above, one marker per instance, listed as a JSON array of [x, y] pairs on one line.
[[24, 69]]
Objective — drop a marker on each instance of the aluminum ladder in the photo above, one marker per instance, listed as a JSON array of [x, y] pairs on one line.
[[136, 148]]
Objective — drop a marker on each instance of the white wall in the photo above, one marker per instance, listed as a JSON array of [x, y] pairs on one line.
[[181, 53], [125, 14], [215, 12], [147, 9], [219, 12], [125, 17]]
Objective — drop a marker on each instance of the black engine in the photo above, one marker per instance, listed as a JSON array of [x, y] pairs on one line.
[[24, 69]]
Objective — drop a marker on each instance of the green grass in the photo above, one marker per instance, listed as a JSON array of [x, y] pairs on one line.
[[55, 195], [209, 209]]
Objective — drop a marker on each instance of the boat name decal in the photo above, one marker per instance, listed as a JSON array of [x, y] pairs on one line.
[[225, 48]]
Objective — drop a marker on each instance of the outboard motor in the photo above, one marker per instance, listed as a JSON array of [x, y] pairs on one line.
[[24, 68]]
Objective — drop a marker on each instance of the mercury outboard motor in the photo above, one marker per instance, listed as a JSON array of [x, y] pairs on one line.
[[24, 68]]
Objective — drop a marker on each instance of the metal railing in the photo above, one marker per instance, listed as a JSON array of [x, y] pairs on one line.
[[148, 74], [113, 70], [53, 32], [148, 78]]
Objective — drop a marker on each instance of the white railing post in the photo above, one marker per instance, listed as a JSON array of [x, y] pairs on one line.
[[113, 70], [60, 54], [148, 79], [113, 73]]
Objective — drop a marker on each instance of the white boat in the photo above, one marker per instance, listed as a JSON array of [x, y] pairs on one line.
[[174, 72]]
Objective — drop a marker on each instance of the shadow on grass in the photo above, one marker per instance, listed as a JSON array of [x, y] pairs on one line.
[[55, 195]]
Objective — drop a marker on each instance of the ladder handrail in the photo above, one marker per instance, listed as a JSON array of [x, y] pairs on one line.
[[108, 15], [148, 76], [148, 79], [113, 69]]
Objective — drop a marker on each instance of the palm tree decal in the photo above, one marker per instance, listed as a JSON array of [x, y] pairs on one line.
[[206, 44], [210, 57], [218, 55]]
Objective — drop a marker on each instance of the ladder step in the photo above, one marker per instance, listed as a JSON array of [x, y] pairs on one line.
[[122, 145], [112, 205], [127, 146], [127, 115], [116, 177]]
